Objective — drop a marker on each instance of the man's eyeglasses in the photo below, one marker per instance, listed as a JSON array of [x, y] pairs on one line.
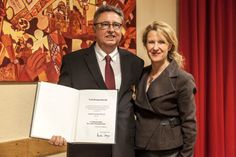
[[107, 25]]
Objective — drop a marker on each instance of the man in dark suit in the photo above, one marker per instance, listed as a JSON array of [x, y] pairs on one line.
[[85, 69]]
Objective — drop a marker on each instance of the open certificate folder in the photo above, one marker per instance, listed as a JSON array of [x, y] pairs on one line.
[[81, 116]]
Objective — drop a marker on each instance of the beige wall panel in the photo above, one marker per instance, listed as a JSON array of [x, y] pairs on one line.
[[16, 105], [153, 10]]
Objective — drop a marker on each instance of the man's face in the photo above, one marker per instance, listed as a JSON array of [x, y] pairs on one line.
[[108, 31]]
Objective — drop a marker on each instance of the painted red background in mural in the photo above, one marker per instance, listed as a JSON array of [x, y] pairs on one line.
[[35, 34]]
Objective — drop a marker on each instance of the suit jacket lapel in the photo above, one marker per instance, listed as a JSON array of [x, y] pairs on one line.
[[163, 84], [125, 74], [91, 60], [142, 99]]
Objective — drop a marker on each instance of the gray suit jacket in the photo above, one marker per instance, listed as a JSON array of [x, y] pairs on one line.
[[80, 70], [169, 96]]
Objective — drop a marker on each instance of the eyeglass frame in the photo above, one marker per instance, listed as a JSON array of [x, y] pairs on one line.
[[106, 25]]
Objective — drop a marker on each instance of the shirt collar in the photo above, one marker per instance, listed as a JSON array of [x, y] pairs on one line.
[[101, 54]]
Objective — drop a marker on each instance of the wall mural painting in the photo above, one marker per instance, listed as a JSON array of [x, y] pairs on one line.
[[35, 34]]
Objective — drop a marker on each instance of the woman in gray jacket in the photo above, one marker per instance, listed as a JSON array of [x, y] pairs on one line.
[[165, 105]]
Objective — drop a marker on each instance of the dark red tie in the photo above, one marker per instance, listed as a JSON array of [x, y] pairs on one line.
[[109, 74]]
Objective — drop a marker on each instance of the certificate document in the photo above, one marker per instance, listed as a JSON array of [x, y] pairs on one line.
[[80, 116]]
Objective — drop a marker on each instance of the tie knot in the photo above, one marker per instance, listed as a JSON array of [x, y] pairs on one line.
[[108, 59]]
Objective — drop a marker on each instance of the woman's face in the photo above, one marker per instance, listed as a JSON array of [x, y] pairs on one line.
[[157, 47]]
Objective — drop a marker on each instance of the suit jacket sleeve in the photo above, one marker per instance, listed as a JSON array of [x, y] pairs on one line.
[[139, 69], [65, 78], [187, 109]]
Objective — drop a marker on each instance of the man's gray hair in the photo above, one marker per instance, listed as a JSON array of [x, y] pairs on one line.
[[107, 8]]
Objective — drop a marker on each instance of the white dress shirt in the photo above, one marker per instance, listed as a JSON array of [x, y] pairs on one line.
[[115, 63]]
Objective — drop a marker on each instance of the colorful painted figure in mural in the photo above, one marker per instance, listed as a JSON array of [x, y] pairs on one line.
[[85, 69], [52, 25], [165, 105]]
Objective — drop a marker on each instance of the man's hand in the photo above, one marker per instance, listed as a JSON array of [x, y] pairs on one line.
[[57, 141]]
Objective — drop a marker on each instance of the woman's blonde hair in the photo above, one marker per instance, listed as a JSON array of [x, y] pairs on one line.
[[170, 36]]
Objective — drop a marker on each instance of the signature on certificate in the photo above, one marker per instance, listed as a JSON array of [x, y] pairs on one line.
[[103, 134]]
